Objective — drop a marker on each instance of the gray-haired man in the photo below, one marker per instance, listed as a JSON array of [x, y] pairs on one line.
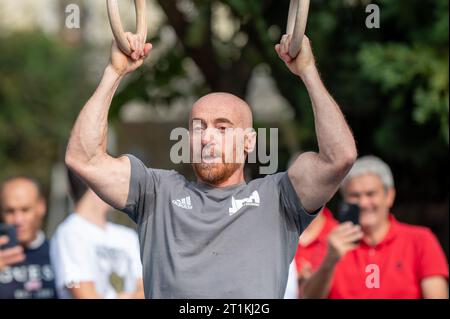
[[393, 260]]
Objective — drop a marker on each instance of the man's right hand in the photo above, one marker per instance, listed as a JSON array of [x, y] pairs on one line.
[[123, 64], [343, 239], [10, 256]]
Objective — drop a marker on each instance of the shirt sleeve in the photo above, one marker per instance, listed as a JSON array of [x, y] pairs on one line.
[[71, 260], [143, 183], [291, 204], [432, 260]]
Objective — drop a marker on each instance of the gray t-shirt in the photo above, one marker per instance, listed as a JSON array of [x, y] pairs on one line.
[[198, 241]]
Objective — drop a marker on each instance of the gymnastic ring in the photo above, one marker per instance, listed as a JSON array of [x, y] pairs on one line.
[[296, 26], [116, 23]]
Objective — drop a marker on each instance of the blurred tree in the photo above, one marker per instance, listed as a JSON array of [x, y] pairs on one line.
[[392, 82], [41, 85]]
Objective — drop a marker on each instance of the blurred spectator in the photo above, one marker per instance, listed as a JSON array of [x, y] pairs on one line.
[[312, 246], [381, 257], [25, 270], [292, 283], [93, 258]]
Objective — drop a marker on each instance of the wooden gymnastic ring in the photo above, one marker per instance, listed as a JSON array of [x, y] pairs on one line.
[[116, 23], [297, 20]]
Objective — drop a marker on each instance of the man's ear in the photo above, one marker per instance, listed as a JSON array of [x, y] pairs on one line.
[[250, 140], [390, 196]]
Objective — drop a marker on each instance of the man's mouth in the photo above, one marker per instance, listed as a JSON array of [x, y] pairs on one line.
[[209, 156], [21, 232], [208, 159]]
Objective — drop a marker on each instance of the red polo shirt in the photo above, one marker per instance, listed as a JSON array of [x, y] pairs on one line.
[[315, 251], [394, 268]]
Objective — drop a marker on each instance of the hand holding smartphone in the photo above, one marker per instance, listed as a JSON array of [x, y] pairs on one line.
[[11, 252], [9, 232], [348, 213]]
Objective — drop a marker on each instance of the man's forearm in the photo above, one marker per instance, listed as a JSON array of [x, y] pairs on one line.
[[335, 139], [88, 140], [318, 285]]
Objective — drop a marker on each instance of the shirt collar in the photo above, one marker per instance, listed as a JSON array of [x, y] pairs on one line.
[[216, 191], [392, 232], [36, 243], [209, 188]]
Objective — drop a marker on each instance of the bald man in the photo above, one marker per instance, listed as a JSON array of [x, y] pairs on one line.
[[218, 236], [25, 270]]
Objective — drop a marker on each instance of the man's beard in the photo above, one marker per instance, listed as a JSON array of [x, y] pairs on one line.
[[215, 174]]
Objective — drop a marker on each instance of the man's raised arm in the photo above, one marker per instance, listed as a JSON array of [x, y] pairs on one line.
[[86, 153], [316, 176]]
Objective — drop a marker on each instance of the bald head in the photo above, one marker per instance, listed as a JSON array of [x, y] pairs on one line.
[[216, 106], [22, 206], [223, 124], [20, 185]]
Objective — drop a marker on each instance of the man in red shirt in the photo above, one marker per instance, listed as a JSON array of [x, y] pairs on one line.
[[392, 260]]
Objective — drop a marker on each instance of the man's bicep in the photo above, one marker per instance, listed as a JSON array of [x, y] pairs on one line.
[[125, 183], [109, 178], [314, 180]]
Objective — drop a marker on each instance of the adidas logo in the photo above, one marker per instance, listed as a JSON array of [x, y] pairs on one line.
[[183, 203], [237, 204]]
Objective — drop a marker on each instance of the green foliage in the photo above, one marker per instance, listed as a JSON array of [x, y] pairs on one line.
[[41, 84], [392, 82], [418, 67]]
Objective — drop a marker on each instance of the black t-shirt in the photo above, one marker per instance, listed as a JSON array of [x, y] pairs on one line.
[[31, 279]]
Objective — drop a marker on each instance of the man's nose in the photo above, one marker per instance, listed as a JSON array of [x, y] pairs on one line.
[[209, 136], [17, 219], [364, 202]]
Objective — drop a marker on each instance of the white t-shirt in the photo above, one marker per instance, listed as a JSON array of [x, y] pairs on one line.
[[292, 283], [81, 252]]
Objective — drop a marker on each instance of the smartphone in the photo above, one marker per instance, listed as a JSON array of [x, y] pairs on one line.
[[10, 232], [348, 213]]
